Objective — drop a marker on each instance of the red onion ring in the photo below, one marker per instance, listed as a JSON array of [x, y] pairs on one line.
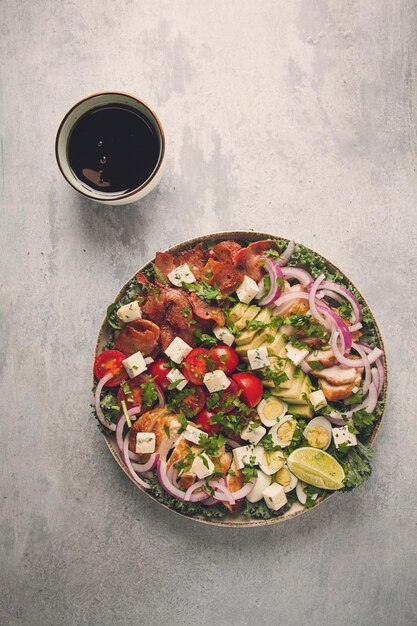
[[287, 254], [341, 325], [325, 292], [97, 395], [171, 489], [275, 272], [312, 303], [129, 466], [191, 490], [368, 404], [356, 307], [172, 475], [367, 379], [244, 491], [375, 378], [287, 297], [150, 464], [297, 273], [336, 418], [355, 327], [343, 359], [380, 369], [378, 362], [233, 444], [222, 493], [119, 430]]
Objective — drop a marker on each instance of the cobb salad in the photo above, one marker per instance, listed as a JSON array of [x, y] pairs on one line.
[[241, 378]]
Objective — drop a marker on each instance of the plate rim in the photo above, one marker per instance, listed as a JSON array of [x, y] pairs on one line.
[[243, 235]]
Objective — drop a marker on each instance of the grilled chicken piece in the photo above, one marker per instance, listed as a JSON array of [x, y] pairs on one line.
[[182, 448], [338, 392], [161, 422], [298, 307], [325, 357], [187, 478], [338, 375], [234, 483]]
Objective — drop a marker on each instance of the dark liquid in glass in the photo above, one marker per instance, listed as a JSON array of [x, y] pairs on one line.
[[113, 149]]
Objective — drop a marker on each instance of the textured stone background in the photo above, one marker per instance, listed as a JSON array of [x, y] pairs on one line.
[[293, 117]]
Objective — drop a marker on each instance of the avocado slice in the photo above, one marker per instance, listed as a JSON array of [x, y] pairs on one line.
[[237, 311], [247, 336], [300, 410], [294, 394], [277, 345], [260, 339], [242, 313], [280, 365]]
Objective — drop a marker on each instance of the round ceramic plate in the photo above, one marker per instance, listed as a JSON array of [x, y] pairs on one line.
[[229, 520]]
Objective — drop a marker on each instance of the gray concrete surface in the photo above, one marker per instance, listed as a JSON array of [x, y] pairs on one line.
[[298, 118]]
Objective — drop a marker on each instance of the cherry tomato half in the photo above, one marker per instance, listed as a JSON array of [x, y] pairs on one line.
[[159, 370], [251, 386], [225, 358], [195, 366], [225, 398], [110, 361], [203, 419], [194, 402], [134, 398]]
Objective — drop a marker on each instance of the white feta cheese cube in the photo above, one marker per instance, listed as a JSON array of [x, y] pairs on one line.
[[296, 355], [175, 375], [216, 381], [245, 455], [258, 357], [181, 274], [192, 434], [343, 435], [224, 335], [317, 399], [202, 466], [178, 350], [247, 290], [253, 432], [130, 312], [134, 364], [145, 443], [274, 496]]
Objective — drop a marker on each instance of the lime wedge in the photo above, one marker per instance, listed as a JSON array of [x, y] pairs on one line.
[[316, 467]]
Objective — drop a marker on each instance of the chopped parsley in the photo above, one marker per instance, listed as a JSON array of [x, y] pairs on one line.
[[184, 464], [268, 445], [204, 290], [212, 444], [316, 365], [276, 377], [149, 393], [204, 339], [159, 275], [249, 473], [111, 316]]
